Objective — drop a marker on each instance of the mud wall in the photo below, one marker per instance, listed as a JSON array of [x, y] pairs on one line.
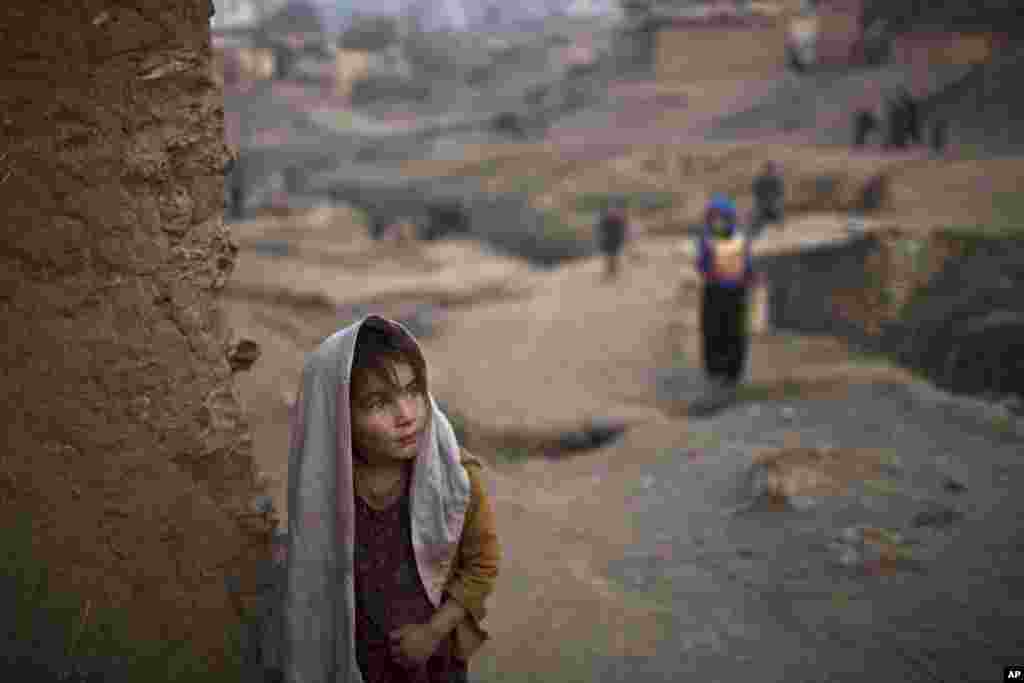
[[947, 306], [964, 328], [124, 438], [804, 285]]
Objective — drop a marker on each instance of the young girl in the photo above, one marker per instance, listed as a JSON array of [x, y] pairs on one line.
[[724, 261], [391, 548]]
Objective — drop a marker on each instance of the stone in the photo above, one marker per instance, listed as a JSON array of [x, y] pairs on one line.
[[263, 505], [939, 517], [271, 247], [825, 185], [953, 486], [850, 535], [802, 502], [1014, 405], [508, 123], [849, 557], [760, 483], [574, 441], [243, 354], [602, 431]]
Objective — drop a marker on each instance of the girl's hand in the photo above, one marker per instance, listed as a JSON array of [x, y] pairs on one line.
[[413, 644]]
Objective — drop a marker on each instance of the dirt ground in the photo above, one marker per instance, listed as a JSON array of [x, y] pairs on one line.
[[521, 351], [570, 349]]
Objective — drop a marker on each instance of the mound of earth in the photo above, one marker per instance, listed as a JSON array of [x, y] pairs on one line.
[[921, 192], [965, 329], [781, 475], [326, 259]]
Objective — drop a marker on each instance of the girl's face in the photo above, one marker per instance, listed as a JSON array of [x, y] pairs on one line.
[[388, 423]]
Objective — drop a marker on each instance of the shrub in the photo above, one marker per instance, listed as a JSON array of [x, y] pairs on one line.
[[489, 167], [1009, 225], [1009, 208], [511, 454]]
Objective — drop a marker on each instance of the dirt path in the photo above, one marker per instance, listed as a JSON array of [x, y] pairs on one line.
[[575, 348], [519, 349]]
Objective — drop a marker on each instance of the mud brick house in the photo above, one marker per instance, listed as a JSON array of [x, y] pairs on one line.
[[937, 46], [840, 32], [293, 33], [718, 44], [239, 53], [240, 61], [931, 52], [373, 46], [350, 66], [837, 34]]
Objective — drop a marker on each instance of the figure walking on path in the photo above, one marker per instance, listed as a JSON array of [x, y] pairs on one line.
[[724, 261], [912, 119], [611, 235], [896, 119], [769, 197], [939, 135], [391, 549], [864, 123]]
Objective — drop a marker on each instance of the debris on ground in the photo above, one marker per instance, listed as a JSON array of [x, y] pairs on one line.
[[874, 551], [795, 476]]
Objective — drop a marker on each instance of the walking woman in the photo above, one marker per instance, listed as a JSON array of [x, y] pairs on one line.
[[392, 548], [612, 229], [724, 261]]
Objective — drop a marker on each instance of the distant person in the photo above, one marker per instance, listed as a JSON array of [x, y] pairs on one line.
[[896, 120], [939, 136], [769, 197], [874, 194], [864, 124], [724, 261], [292, 179], [794, 60], [911, 117], [400, 232], [391, 547], [611, 236], [872, 197]]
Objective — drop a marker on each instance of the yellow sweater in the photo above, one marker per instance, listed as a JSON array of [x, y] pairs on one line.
[[472, 576]]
